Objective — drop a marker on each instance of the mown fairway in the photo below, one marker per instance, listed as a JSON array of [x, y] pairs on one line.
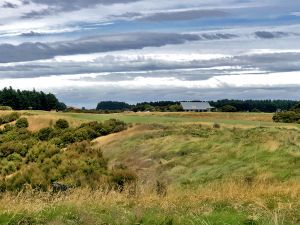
[[245, 171]]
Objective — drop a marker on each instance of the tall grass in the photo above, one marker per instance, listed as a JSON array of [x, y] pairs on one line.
[[227, 202]]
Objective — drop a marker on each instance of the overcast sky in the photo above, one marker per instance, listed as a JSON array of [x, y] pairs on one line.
[[86, 51]]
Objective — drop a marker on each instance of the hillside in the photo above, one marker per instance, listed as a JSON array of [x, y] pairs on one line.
[[244, 169]]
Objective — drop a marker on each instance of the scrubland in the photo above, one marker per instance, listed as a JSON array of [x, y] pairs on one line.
[[168, 169]]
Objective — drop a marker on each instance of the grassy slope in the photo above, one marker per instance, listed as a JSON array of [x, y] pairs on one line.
[[190, 154], [243, 175]]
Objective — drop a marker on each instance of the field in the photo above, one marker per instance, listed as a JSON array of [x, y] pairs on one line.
[[40, 119], [192, 168]]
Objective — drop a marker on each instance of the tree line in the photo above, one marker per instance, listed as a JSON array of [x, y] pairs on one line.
[[225, 105], [268, 106], [23, 100]]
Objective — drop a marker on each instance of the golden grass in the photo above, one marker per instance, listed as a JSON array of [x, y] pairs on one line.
[[265, 117], [37, 122], [4, 112], [285, 197]]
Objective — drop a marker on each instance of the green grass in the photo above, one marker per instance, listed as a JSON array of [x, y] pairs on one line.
[[190, 154], [233, 119]]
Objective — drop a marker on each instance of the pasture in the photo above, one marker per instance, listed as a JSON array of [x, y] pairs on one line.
[[41, 119]]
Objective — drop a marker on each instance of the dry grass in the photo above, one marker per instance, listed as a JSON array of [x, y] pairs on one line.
[[258, 200], [37, 122], [4, 112], [265, 117]]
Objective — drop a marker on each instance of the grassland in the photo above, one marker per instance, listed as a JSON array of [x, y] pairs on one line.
[[40, 119], [246, 172]]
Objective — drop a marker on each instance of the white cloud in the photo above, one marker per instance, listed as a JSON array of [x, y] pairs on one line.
[[272, 80]]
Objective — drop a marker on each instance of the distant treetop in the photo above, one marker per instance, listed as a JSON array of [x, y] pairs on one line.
[[112, 105]]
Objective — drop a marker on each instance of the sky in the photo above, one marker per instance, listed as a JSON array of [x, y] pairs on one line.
[[86, 51]]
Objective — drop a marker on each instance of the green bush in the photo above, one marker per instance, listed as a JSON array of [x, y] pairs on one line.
[[228, 108], [287, 117], [41, 151], [11, 147], [45, 134], [8, 127], [22, 123], [15, 157], [113, 126], [216, 126], [9, 169], [61, 124]]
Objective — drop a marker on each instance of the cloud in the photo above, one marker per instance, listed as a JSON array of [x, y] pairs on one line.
[[36, 51], [87, 90], [183, 15], [271, 35], [31, 34], [187, 66], [62, 5], [57, 6], [9, 5], [37, 14]]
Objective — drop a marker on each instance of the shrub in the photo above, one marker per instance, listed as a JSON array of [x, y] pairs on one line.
[[9, 148], [114, 125], [15, 157], [22, 123], [287, 117], [8, 127], [61, 124], [9, 168], [41, 151], [228, 108], [216, 126], [45, 134]]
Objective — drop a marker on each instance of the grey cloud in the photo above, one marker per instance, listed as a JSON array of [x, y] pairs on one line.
[[31, 34], [130, 68], [184, 15], [55, 6], [78, 4], [218, 36], [271, 35], [36, 51], [9, 5], [37, 14]]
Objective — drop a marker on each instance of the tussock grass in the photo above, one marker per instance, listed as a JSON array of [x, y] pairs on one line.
[[191, 154], [227, 202]]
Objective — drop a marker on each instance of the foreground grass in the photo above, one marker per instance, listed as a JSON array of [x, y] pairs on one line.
[[217, 203]]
